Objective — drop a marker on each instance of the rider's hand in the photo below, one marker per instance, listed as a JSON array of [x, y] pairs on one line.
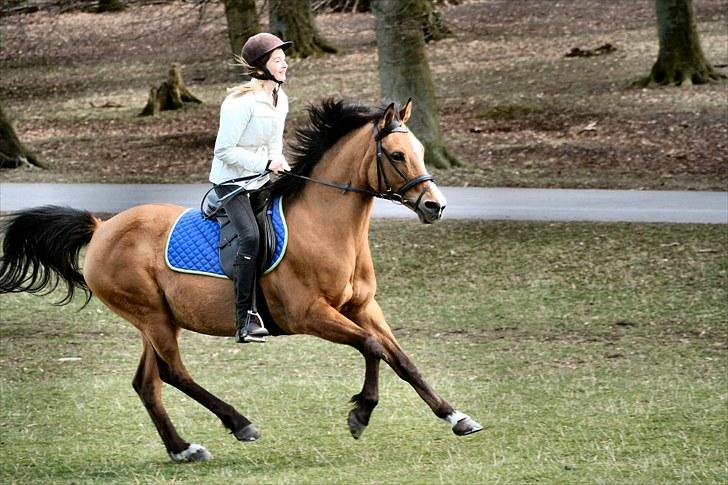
[[278, 165]]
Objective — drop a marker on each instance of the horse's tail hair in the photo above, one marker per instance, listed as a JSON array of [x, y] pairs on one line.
[[41, 248]]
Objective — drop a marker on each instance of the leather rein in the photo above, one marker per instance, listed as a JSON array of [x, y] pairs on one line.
[[388, 193]]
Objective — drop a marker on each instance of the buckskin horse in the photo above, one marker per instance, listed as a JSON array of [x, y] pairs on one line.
[[325, 285]]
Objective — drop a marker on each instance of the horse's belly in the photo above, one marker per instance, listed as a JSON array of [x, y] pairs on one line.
[[201, 304]]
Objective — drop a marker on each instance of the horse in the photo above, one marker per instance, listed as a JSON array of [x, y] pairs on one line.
[[344, 157]]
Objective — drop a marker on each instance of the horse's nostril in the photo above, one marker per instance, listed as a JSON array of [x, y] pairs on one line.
[[434, 207]]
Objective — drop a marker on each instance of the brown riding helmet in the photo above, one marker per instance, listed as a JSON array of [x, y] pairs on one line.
[[259, 45]]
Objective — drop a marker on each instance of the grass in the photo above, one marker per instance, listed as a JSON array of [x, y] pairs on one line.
[[592, 353]]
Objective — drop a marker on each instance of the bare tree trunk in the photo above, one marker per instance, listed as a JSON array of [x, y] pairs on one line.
[[172, 94], [680, 59], [404, 72], [434, 27], [13, 153], [110, 6], [242, 22], [292, 20], [326, 6]]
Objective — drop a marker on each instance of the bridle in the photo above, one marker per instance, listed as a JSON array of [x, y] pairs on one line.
[[388, 193]]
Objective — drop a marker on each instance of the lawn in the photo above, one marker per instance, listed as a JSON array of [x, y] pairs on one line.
[[591, 353]]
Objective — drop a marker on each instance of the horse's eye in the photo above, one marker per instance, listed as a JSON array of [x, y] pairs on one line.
[[398, 156]]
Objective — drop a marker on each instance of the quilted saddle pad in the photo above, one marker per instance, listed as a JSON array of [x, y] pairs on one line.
[[192, 244]]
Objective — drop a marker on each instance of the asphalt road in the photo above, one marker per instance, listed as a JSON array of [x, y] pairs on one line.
[[463, 203]]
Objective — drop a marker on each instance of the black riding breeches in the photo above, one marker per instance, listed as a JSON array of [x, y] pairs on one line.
[[241, 216]]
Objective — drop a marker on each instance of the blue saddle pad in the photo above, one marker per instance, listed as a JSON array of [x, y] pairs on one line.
[[192, 245]]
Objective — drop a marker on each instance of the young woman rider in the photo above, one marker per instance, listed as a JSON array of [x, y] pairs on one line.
[[248, 146]]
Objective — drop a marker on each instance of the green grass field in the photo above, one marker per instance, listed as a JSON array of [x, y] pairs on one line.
[[591, 353]]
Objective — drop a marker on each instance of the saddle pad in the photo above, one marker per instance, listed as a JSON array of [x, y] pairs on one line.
[[280, 229], [192, 245]]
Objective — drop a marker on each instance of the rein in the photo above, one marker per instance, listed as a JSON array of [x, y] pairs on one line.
[[388, 193]]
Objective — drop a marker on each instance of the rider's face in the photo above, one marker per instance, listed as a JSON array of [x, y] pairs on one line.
[[277, 64]]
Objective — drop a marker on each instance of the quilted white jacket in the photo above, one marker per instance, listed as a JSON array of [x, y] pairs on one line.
[[250, 134]]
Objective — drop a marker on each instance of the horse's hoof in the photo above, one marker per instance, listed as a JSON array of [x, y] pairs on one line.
[[466, 426], [248, 433], [192, 453], [356, 427]]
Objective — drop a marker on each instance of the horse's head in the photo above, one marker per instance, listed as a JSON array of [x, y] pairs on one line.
[[400, 166]]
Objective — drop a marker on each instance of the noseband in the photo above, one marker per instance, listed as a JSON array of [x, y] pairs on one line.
[[388, 193]]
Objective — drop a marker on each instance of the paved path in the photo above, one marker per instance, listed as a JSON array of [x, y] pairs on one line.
[[463, 203]]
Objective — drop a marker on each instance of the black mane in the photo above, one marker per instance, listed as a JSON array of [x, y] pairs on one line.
[[327, 124]]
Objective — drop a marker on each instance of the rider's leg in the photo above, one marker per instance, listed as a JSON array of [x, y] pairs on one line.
[[249, 325]]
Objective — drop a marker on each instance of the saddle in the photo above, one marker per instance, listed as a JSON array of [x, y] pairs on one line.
[[213, 208], [204, 242]]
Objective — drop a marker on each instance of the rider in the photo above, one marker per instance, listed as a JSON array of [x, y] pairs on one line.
[[249, 145]]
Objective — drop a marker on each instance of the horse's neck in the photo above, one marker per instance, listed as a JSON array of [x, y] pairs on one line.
[[341, 214]]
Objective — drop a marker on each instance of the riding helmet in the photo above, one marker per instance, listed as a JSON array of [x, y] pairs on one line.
[[257, 46]]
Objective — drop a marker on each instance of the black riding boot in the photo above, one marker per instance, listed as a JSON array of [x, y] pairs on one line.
[[249, 325]]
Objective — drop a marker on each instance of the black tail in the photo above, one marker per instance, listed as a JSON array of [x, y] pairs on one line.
[[41, 248]]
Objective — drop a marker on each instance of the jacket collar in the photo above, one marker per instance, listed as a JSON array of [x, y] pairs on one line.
[[262, 96]]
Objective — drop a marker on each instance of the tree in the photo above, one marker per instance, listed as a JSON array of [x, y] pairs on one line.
[[242, 22], [680, 59], [433, 25], [13, 153], [404, 72], [293, 20], [110, 6]]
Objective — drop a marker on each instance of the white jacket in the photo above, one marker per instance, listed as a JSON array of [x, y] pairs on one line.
[[250, 134]]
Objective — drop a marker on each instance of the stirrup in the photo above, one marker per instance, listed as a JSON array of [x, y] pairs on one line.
[[250, 332]]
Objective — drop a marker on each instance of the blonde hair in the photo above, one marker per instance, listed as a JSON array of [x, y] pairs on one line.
[[248, 86]]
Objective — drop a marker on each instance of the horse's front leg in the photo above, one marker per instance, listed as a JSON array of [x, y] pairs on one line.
[[399, 361], [390, 350], [383, 345]]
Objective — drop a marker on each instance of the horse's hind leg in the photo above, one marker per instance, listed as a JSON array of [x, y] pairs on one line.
[[173, 372], [367, 399], [148, 385]]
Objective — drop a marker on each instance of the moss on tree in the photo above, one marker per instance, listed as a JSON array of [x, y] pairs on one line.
[[242, 22], [292, 20]]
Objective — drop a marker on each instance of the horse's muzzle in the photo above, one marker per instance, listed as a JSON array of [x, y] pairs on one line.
[[431, 205]]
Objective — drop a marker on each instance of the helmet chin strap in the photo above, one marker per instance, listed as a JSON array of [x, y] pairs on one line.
[[267, 76]]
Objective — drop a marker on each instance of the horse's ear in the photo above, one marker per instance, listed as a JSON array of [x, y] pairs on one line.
[[387, 117], [406, 111]]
